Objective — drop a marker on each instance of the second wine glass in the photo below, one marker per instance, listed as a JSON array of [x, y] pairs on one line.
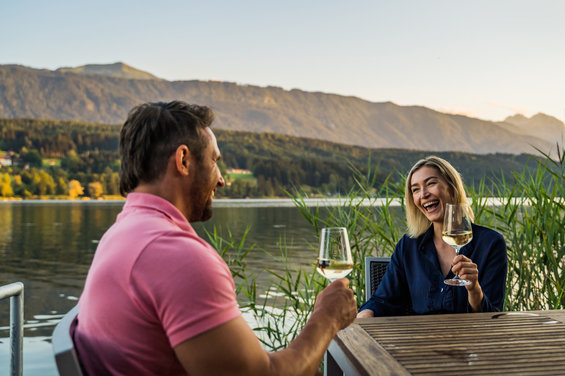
[[334, 260], [457, 232]]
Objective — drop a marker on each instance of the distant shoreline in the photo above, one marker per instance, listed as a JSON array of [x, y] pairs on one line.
[[233, 202], [268, 202], [58, 201]]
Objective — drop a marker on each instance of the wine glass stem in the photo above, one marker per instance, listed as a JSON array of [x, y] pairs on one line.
[[457, 253]]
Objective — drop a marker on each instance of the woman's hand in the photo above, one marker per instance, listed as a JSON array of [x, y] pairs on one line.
[[467, 270], [365, 313]]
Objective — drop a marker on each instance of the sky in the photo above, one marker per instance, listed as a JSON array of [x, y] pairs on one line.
[[485, 59]]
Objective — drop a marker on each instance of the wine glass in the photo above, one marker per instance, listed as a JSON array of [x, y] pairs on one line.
[[334, 260], [457, 232]]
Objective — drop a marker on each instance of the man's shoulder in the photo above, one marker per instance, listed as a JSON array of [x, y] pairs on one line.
[[135, 229], [173, 243], [178, 255], [149, 222], [151, 234]]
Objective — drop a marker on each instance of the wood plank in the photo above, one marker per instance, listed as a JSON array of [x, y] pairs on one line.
[[456, 317], [468, 354], [550, 369], [369, 357]]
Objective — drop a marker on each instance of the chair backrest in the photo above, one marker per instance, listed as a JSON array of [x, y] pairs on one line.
[[375, 268], [63, 347]]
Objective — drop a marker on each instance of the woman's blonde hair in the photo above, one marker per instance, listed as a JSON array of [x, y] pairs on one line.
[[417, 221]]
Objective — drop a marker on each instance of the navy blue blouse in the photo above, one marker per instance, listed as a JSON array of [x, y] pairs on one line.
[[414, 277]]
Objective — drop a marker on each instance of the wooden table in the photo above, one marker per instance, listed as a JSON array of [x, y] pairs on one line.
[[517, 343]]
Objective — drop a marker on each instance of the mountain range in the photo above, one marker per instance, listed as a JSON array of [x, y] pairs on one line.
[[104, 93]]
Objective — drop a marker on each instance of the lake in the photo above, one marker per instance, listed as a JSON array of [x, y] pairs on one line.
[[48, 245]]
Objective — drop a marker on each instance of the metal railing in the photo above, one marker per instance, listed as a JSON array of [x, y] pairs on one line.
[[15, 291]]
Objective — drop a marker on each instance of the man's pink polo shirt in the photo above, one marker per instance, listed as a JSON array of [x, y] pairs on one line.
[[153, 284]]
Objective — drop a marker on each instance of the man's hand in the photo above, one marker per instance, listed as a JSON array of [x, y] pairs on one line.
[[337, 303]]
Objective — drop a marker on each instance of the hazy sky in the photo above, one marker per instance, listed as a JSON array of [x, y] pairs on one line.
[[487, 59]]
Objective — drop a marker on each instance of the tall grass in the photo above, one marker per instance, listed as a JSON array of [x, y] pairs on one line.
[[530, 216]]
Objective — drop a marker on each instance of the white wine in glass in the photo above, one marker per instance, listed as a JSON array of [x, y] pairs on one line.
[[457, 232], [334, 260]]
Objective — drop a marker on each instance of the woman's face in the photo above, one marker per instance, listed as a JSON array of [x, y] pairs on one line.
[[430, 193]]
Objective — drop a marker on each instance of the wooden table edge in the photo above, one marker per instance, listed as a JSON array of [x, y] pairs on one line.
[[370, 359]]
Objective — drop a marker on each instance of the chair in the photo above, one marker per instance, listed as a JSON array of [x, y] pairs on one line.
[[15, 291], [66, 356], [375, 268]]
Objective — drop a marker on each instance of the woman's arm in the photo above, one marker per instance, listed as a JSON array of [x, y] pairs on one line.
[[488, 285]]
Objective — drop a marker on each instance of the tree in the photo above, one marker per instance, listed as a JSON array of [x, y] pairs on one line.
[[33, 158], [43, 182], [72, 162], [18, 185], [113, 187], [110, 181], [95, 189], [61, 187], [6, 185], [75, 189]]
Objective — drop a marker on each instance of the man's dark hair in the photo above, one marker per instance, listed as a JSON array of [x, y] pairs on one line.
[[152, 132]]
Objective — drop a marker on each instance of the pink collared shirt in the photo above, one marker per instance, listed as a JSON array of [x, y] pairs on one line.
[[153, 284]]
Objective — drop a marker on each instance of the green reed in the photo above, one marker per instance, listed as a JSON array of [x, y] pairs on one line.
[[530, 215]]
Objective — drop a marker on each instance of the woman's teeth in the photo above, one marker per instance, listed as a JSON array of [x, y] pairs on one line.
[[430, 205]]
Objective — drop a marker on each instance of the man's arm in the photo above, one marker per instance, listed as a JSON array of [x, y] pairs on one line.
[[233, 349]]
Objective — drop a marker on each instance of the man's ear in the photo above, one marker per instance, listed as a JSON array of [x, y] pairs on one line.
[[182, 159]]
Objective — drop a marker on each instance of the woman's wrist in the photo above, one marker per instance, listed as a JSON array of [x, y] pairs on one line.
[[365, 313], [476, 297]]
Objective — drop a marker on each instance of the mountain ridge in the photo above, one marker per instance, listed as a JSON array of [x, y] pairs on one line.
[[119, 69], [539, 125], [29, 92]]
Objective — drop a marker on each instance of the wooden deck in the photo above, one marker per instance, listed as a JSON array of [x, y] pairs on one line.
[[517, 343]]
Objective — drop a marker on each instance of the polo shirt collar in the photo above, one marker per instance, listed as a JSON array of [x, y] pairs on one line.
[[150, 201]]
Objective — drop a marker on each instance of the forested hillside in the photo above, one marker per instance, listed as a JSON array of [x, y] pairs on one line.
[[102, 97], [46, 155]]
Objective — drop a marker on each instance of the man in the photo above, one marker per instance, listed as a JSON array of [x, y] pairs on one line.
[[158, 300]]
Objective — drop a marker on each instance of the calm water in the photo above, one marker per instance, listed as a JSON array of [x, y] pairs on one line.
[[49, 246]]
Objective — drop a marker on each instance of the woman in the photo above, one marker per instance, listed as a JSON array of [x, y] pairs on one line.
[[422, 260]]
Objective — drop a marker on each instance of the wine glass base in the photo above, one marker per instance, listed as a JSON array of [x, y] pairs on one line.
[[457, 282]]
